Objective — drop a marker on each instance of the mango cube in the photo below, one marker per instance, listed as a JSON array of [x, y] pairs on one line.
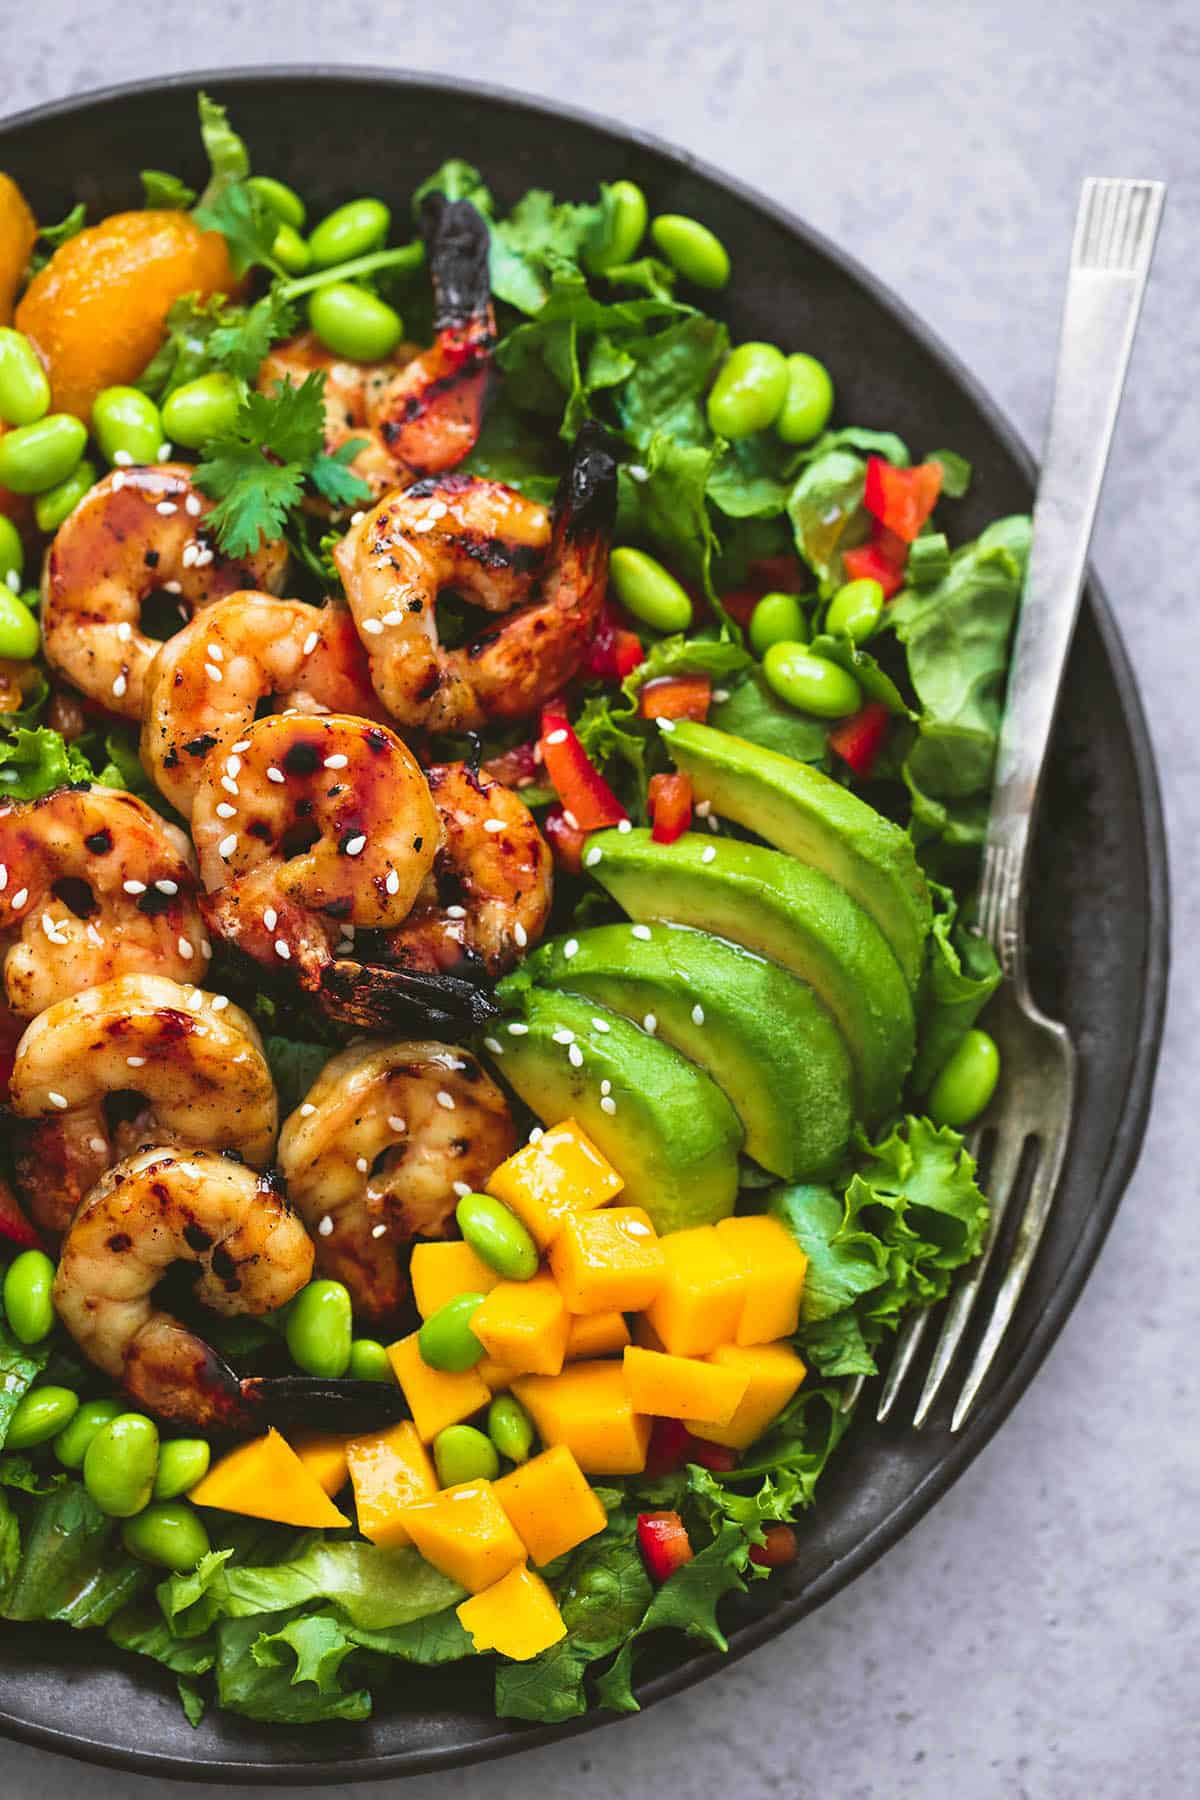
[[563, 1172], [516, 1616], [588, 1409], [436, 1397], [608, 1261], [390, 1470], [773, 1269], [440, 1272], [324, 1456], [265, 1479], [681, 1387], [596, 1334], [550, 1504], [466, 1533], [524, 1325], [773, 1373], [498, 1375], [699, 1304]]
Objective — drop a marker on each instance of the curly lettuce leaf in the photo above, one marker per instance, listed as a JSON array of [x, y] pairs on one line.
[[961, 974], [35, 760], [267, 1670]]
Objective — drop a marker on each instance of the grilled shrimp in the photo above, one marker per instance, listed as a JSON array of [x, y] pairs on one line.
[[487, 541], [207, 682], [95, 874], [420, 412], [138, 533], [387, 1139], [158, 1207], [171, 1062]]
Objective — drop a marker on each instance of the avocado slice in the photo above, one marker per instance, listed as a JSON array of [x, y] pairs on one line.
[[801, 810], [789, 912], [763, 1036], [662, 1124]]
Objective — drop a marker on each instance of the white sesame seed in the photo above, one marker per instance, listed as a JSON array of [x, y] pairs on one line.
[[494, 1045], [392, 884], [571, 948], [446, 1100], [310, 643], [192, 506], [270, 918], [372, 627], [190, 555], [395, 617], [356, 845], [136, 1062], [606, 1087], [564, 1036], [215, 652], [575, 1056], [396, 1123], [593, 857], [212, 671], [19, 899], [164, 452], [233, 765], [276, 775], [608, 1104], [227, 845], [184, 947], [3, 877], [650, 1024], [493, 825], [356, 518], [570, 818], [703, 808], [642, 933], [520, 935], [242, 744], [118, 480], [708, 854], [516, 1029], [167, 887], [536, 1135], [124, 631], [282, 951], [624, 825], [99, 1145], [172, 587], [667, 725], [720, 696], [119, 685], [601, 1025], [93, 937], [206, 949], [225, 811], [123, 460], [714, 824], [461, 1188], [134, 887], [166, 508], [307, 1109], [230, 786], [378, 1231], [325, 1226], [697, 1014], [59, 1100], [557, 737], [361, 1164], [336, 762]]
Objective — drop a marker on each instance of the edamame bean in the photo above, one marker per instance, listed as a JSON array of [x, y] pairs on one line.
[[777, 619], [283, 201], [649, 591], [810, 683], [460, 1453], [497, 1236], [808, 401], [320, 1328], [40, 1415], [19, 635], [120, 1463], [58, 503], [36, 457], [70, 1446], [855, 610], [967, 1082], [126, 425], [510, 1428], [182, 1462], [748, 392], [291, 250], [29, 1280], [201, 409], [626, 219], [354, 323], [12, 553], [446, 1340], [24, 385], [169, 1535], [349, 230], [369, 1361], [692, 248]]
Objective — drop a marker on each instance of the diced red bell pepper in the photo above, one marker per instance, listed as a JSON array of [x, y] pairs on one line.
[[901, 499], [717, 1457], [565, 841], [881, 560], [614, 652], [676, 697], [669, 1439], [670, 800], [585, 794], [859, 739], [14, 1226], [777, 1549], [664, 1543]]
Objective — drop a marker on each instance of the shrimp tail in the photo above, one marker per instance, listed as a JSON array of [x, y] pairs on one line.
[[291, 1402], [457, 241], [586, 502], [372, 998]]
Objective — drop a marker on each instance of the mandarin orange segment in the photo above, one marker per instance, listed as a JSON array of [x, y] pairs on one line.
[[18, 229]]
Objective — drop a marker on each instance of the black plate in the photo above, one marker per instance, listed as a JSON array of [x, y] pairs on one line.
[[1099, 915]]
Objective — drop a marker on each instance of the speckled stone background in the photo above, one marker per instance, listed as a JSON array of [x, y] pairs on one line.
[[1039, 1634]]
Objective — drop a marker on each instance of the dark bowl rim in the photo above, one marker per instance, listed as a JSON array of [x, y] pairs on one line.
[[990, 1414]]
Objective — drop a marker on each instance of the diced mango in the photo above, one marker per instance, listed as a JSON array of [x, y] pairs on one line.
[[588, 1409], [562, 1172], [324, 1456], [436, 1397], [596, 1334], [550, 1504], [466, 1533], [516, 1616], [773, 1373], [773, 1268], [681, 1387], [440, 1272], [699, 1303], [498, 1375], [265, 1479], [524, 1325], [390, 1470], [608, 1261]]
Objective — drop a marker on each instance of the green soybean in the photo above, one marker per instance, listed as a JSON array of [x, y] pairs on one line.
[[692, 248], [169, 1535], [19, 634], [350, 230], [446, 1340], [650, 592], [58, 503], [810, 683], [808, 401], [625, 216], [201, 409], [24, 385], [120, 1463], [510, 1428], [40, 1415], [320, 1329], [283, 201], [12, 553], [777, 619], [291, 250], [70, 1446], [126, 425], [749, 390], [354, 323], [967, 1082], [181, 1464], [497, 1237], [36, 457], [855, 609], [369, 1361], [461, 1453], [29, 1279]]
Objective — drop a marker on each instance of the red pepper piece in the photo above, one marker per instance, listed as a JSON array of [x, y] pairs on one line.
[[664, 1543], [717, 1457], [669, 1439], [565, 841], [881, 560], [859, 739], [676, 697], [585, 794], [614, 652], [670, 800], [777, 1549], [14, 1226], [628, 653], [901, 499]]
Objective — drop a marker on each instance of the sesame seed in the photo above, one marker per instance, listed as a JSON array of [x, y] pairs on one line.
[[19, 899], [231, 787], [720, 696], [206, 949], [225, 811], [557, 737], [571, 948], [372, 627], [378, 1231], [697, 1014], [134, 887], [136, 1062], [608, 1104], [336, 762], [227, 845], [356, 518], [494, 1045], [396, 1123], [445, 1099], [536, 1135], [243, 744], [493, 825], [516, 1029], [118, 480], [3, 877], [624, 825], [708, 854], [99, 1145], [392, 884], [233, 765], [93, 937], [703, 808], [714, 824], [270, 917], [192, 506], [593, 857], [119, 685], [282, 951], [601, 1025], [276, 775], [667, 725], [307, 1109], [575, 1056], [461, 1188], [356, 845], [310, 643], [212, 671], [361, 1164], [59, 1100], [167, 887], [395, 617], [642, 933], [215, 651], [184, 947], [172, 587], [219, 1002], [166, 508], [650, 1024], [325, 1226], [123, 460], [190, 554], [606, 1087], [164, 452], [564, 1036], [124, 631], [570, 818], [520, 935]]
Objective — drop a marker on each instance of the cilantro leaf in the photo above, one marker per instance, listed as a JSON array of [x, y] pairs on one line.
[[333, 478], [241, 338], [256, 472], [247, 224]]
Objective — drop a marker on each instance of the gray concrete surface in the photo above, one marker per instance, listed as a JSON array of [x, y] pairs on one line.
[[1038, 1634]]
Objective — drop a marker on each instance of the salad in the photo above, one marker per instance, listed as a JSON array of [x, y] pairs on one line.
[[491, 783]]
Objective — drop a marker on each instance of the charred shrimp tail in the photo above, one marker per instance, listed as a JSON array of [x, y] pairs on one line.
[[373, 998], [457, 243]]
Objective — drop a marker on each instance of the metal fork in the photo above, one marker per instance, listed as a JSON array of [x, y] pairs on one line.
[[1115, 230]]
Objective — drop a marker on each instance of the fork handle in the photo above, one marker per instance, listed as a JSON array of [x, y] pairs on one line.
[[1115, 231]]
